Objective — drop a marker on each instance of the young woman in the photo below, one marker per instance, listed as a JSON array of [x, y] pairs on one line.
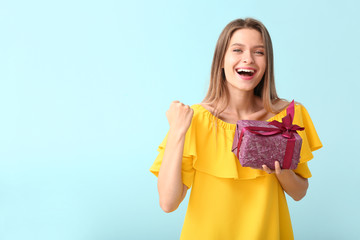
[[229, 201]]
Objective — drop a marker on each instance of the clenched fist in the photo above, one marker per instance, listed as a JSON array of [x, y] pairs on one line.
[[179, 116]]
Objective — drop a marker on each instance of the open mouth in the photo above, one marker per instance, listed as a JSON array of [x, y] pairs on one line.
[[245, 72]]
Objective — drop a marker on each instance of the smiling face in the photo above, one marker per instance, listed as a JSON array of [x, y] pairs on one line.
[[245, 60]]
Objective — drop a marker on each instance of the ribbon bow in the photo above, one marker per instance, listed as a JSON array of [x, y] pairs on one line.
[[286, 128]]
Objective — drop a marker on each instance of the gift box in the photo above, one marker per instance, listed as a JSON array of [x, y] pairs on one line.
[[259, 142]]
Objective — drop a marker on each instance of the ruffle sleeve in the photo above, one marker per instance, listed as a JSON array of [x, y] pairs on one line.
[[189, 156], [311, 140]]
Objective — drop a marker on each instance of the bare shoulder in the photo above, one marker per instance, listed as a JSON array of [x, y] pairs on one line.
[[207, 106], [280, 104]]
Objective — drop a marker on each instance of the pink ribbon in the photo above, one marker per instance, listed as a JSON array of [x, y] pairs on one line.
[[287, 130]]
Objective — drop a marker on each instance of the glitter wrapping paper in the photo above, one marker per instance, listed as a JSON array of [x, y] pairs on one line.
[[256, 150]]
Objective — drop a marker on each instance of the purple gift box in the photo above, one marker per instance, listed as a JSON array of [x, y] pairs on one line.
[[259, 142]]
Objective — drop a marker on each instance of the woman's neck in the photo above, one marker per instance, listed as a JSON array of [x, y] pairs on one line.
[[243, 103]]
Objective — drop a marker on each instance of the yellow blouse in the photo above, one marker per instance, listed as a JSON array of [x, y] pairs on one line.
[[228, 201]]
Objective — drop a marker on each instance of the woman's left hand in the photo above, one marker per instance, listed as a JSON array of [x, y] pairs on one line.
[[293, 184], [277, 170]]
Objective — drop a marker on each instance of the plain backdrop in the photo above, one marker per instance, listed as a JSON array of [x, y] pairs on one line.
[[84, 86]]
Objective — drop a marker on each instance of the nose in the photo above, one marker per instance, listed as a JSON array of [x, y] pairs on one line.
[[247, 57]]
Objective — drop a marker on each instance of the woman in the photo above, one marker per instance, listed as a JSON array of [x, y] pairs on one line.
[[229, 201]]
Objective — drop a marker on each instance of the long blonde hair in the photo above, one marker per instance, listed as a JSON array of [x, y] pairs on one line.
[[218, 94]]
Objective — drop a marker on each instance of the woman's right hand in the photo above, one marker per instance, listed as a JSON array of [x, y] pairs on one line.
[[179, 116]]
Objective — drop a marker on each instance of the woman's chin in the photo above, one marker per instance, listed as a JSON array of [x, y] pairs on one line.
[[246, 86]]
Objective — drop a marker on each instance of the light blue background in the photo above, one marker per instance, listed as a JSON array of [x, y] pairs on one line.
[[84, 86]]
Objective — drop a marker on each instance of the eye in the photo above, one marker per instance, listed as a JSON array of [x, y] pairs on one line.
[[259, 53], [237, 50]]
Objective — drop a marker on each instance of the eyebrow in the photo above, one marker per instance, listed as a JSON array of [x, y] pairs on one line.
[[239, 44]]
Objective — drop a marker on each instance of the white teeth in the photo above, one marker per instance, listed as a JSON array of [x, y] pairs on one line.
[[245, 70]]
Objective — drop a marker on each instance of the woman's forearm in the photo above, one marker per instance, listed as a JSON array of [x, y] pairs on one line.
[[171, 189], [293, 184]]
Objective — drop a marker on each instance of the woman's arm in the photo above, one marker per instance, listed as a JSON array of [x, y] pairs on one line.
[[171, 189], [294, 185]]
